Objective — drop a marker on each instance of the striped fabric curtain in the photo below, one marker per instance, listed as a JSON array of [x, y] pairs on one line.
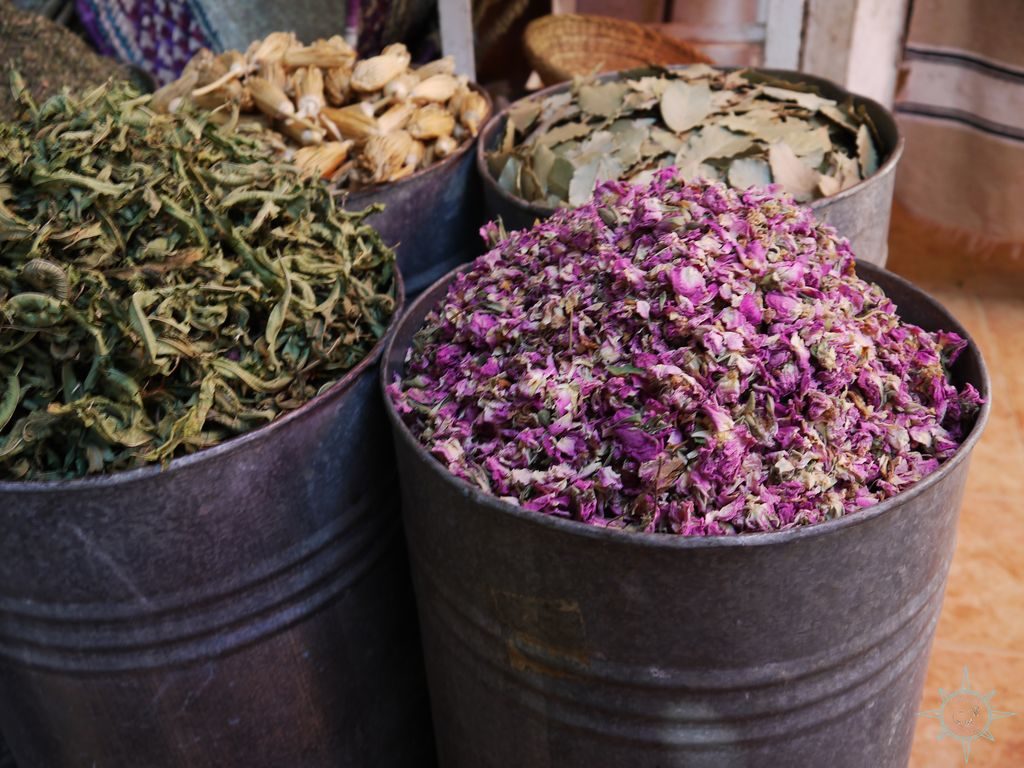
[[961, 107]]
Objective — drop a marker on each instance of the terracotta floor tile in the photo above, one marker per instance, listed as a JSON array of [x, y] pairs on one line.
[[982, 624], [1004, 318], [984, 605], [988, 671]]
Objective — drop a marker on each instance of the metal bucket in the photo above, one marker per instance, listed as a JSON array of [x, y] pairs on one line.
[[860, 213], [430, 218], [249, 605], [553, 644]]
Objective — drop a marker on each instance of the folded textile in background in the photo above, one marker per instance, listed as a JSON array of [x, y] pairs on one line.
[[160, 36], [961, 108]]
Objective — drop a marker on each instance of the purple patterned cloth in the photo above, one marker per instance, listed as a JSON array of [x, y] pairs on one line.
[[159, 36]]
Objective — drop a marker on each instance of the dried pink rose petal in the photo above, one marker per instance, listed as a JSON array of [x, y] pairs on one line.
[[681, 358]]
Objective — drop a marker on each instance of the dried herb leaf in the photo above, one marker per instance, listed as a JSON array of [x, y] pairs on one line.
[[790, 171], [684, 106], [165, 285], [701, 119], [746, 172], [809, 101], [603, 100], [866, 152]]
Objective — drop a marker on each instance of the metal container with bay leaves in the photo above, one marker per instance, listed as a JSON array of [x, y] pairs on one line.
[[830, 149]]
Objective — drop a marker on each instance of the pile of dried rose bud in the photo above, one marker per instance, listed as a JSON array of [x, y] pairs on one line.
[[681, 358]]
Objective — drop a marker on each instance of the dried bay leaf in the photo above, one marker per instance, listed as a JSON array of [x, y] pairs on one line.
[[847, 170], [509, 179], [564, 132], [588, 176], [711, 142], [814, 141], [840, 117], [523, 114], [866, 152], [828, 185], [603, 100], [791, 173], [746, 172], [810, 101], [684, 106], [560, 177], [668, 141], [707, 122], [543, 160], [708, 173]]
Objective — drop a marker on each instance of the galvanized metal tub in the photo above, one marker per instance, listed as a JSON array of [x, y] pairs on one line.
[[430, 218], [249, 605], [553, 644], [860, 213], [6, 761]]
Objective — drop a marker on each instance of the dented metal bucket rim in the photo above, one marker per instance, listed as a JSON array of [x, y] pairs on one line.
[[369, 195], [115, 479], [435, 293], [497, 122]]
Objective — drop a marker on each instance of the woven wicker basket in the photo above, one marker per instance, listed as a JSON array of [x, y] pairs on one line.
[[563, 46]]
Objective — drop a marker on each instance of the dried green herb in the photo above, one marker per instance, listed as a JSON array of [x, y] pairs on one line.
[[165, 285], [49, 56], [744, 128]]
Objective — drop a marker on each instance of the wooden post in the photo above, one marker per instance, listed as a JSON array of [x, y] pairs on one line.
[[783, 34], [456, 17], [856, 43]]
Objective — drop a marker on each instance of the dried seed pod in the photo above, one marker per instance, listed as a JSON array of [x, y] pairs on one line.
[[401, 86], [233, 66], [445, 146], [344, 172], [443, 66], [323, 54], [230, 91], [417, 151], [399, 50], [309, 91], [260, 124], [170, 97], [272, 48], [329, 127], [352, 121], [472, 111], [323, 160], [437, 88], [374, 73], [202, 60], [431, 122], [269, 99], [395, 117], [209, 69], [303, 131], [385, 156], [274, 73], [337, 84]]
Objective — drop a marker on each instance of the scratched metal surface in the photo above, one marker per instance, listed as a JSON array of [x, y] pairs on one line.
[[552, 644], [248, 606], [860, 213]]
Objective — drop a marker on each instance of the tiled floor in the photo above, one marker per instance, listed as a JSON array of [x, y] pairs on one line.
[[982, 625]]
